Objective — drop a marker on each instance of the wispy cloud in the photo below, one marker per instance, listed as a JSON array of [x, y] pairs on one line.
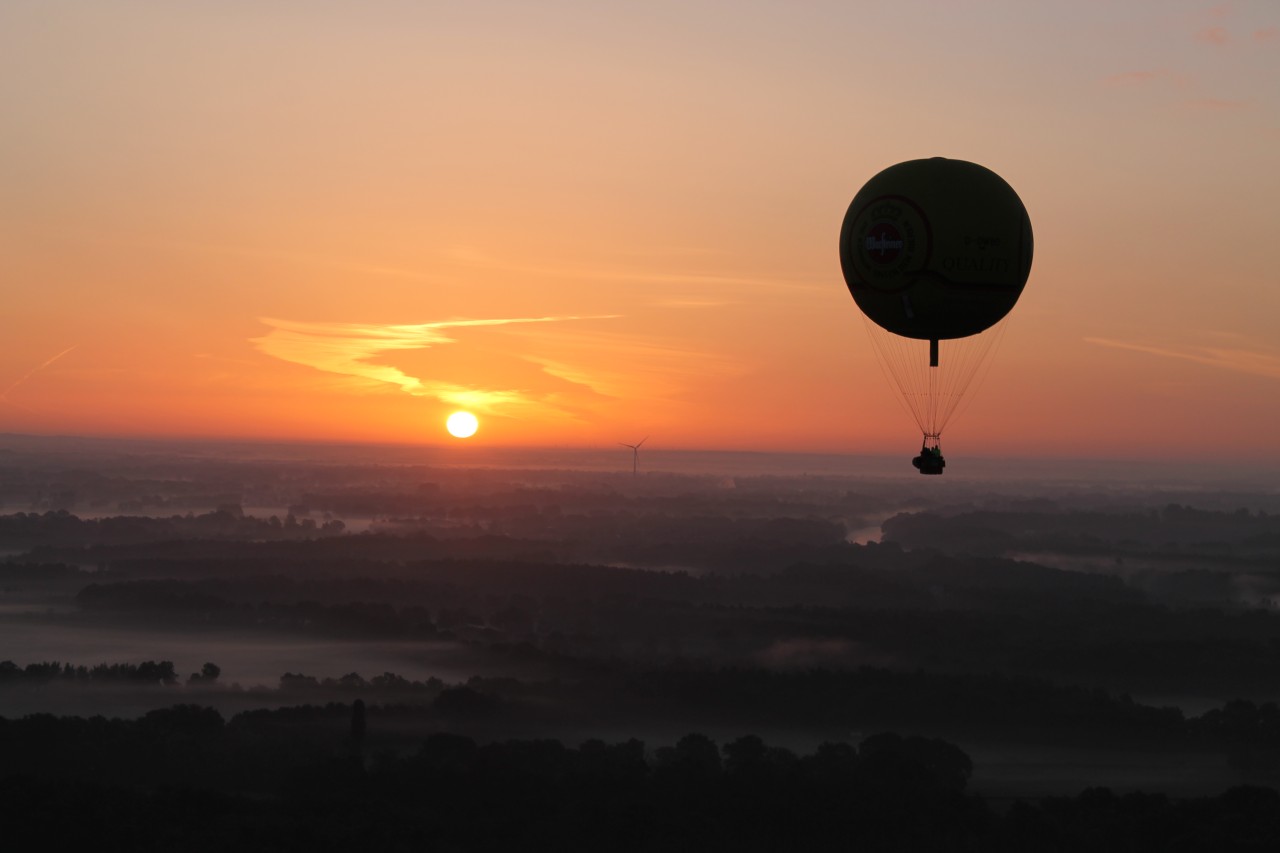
[[1251, 360], [680, 278], [469, 257], [1214, 104], [1220, 31], [1177, 85], [629, 366], [308, 259], [350, 349], [1149, 77], [1217, 36], [1128, 78], [692, 303]]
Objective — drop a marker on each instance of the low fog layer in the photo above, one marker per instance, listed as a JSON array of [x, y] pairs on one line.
[[1018, 617]]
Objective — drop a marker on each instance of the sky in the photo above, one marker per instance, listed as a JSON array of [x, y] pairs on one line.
[[591, 223]]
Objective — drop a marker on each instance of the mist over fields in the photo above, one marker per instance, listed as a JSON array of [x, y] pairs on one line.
[[1063, 630]]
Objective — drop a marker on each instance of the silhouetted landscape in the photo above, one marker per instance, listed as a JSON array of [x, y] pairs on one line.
[[300, 647]]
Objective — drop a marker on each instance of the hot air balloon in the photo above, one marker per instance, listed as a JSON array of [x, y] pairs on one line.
[[936, 253]]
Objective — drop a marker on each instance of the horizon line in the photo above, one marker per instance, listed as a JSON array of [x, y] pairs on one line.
[[479, 449]]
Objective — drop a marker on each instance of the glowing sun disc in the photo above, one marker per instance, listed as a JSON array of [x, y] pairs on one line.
[[462, 425]]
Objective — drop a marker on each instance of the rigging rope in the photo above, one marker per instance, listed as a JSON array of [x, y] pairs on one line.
[[933, 395]]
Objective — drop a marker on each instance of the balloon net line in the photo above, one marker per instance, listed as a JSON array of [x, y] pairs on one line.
[[933, 395]]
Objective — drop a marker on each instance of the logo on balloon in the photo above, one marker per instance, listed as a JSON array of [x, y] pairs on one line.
[[883, 243], [886, 241]]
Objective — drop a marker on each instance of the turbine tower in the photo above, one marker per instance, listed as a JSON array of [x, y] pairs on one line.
[[635, 453]]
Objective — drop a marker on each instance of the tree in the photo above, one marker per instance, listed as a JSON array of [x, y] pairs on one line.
[[156, 673], [358, 725], [207, 675]]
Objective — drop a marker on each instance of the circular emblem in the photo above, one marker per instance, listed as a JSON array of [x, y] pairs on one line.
[[883, 243], [888, 243]]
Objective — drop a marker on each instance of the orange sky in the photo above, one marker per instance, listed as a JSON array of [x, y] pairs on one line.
[[589, 222]]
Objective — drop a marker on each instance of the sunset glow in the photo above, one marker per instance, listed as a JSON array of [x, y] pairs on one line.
[[578, 220]]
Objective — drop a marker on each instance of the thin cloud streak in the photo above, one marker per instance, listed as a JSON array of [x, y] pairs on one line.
[[1184, 87], [692, 303], [676, 278], [1238, 360], [628, 366], [480, 261], [1132, 77], [1216, 36], [300, 258], [4, 396], [348, 349], [1148, 77], [1214, 104]]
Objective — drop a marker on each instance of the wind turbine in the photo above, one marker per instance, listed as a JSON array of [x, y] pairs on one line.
[[635, 453]]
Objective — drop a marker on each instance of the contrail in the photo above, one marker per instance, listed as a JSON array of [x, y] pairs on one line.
[[4, 397], [1255, 361]]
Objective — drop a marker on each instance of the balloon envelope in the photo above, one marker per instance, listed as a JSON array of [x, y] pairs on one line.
[[936, 249]]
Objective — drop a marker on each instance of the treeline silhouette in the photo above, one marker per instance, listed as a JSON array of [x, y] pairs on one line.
[[1050, 528], [963, 706], [61, 528], [184, 777], [707, 530], [147, 672], [913, 608], [645, 538]]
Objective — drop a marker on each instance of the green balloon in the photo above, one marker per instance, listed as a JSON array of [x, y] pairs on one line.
[[936, 249]]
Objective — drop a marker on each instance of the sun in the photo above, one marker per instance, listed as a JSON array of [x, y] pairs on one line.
[[462, 424]]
